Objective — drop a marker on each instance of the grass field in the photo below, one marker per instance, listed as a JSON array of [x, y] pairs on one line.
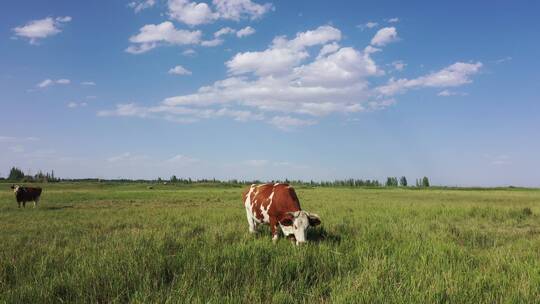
[[101, 243]]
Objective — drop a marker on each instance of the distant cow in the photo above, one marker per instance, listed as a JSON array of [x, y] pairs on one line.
[[26, 194], [277, 204]]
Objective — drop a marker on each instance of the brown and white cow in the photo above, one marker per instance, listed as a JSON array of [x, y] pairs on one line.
[[26, 194], [278, 205]]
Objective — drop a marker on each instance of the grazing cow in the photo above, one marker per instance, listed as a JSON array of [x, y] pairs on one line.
[[26, 194], [277, 204]]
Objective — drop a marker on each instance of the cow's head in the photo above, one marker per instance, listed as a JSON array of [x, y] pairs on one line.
[[15, 188], [296, 223]]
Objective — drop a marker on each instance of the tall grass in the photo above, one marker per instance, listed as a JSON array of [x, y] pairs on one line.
[[127, 243]]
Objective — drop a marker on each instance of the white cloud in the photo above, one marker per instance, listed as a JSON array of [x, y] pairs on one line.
[[328, 49], [454, 75], [63, 81], [125, 109], [189, 52], [179, 114], [501, 60], [213, 42], [371, 50], [368, 25], [239, 115], [17, 149], [498, 160], [126, 157], [283, 55], [385, 36], [398, 65], [74, 104], [40, 29], [238, 9], [49, 82], [141, 5], [248, 30], [380, 104], [293, 82], [179, 70], [64, 19], [288, 122], [321, 35], [88, 83], [45, 83], [270, 61], [392, 20], [256, 162], [446, 93], [12, 139], [341, 68], [153, 35], [371, 24], [183, 160], [191, 13], [224, 31]]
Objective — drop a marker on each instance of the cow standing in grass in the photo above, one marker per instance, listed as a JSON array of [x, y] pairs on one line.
[[278, 205], [26, 194]]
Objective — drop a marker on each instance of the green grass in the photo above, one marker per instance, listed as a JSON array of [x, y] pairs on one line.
[[190, 244]]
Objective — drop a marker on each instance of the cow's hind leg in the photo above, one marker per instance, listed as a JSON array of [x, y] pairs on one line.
[[24, 204], [251, 222], [36, 201]]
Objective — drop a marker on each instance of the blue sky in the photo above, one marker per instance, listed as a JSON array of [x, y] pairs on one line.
[[272, 89]]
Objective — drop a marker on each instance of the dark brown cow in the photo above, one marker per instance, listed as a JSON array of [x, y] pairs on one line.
[[26, 194], [277, 205]]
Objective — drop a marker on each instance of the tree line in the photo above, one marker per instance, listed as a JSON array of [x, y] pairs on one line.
[[17, 175], [402, 182]]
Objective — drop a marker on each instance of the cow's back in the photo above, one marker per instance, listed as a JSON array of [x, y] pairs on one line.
[[270, 201], [284, 200]]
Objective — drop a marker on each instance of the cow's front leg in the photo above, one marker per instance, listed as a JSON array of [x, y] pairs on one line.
[[24, 204], [275, 231]]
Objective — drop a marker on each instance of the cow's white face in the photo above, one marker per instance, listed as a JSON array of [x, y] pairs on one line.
[[298, 223], [15, 188]]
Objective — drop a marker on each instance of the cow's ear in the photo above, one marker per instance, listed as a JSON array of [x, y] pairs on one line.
[[286, 221], [314, 219], [294, 214]]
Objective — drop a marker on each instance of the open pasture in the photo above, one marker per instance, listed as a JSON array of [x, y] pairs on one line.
[[101, 243]]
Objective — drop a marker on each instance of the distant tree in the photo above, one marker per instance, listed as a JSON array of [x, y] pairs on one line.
[[16, 174], [40, 177], [403, 181], [174, 179], [391, 182], [425, 182]]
